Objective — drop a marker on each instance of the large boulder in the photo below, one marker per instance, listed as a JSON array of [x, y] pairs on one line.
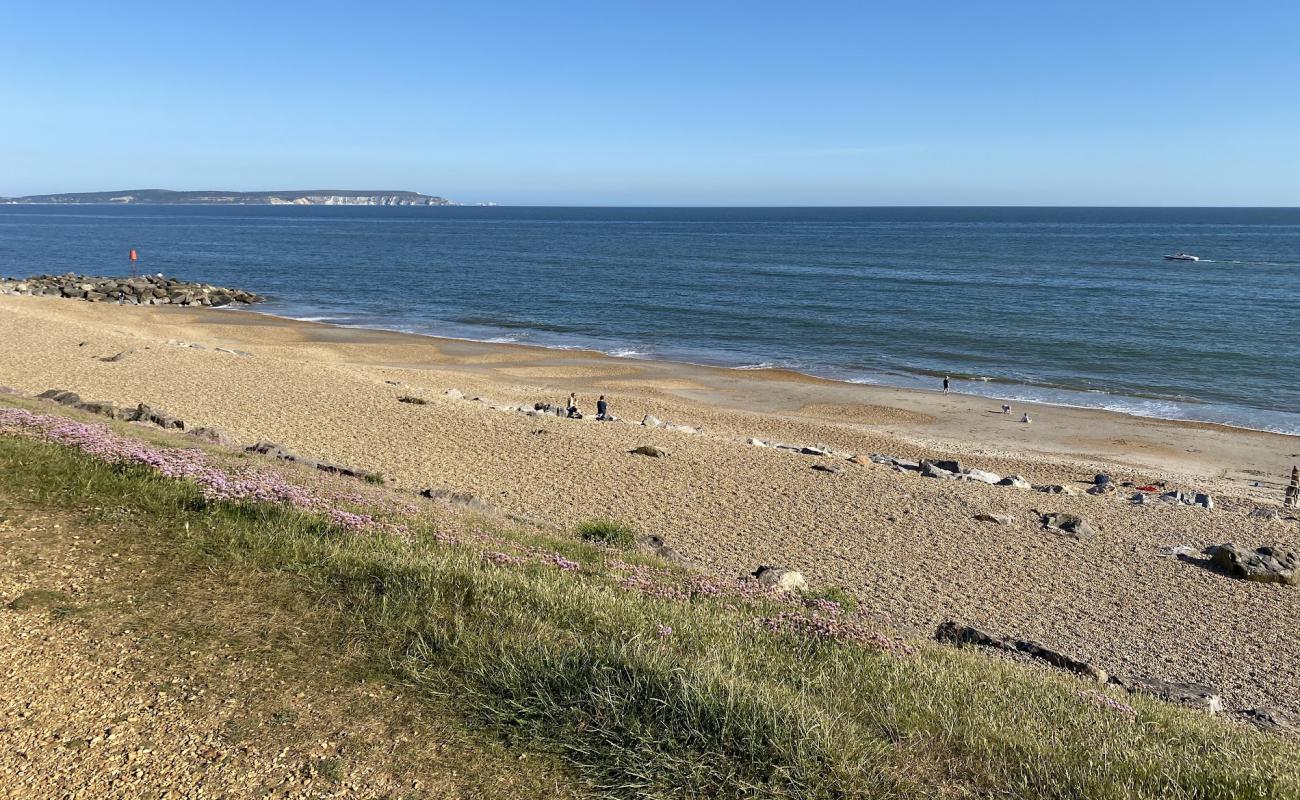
[[1267, 564], [780, 578], [930, 469], [981, 476], [1068, 524]]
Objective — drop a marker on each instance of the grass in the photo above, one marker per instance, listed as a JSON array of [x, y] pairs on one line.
[[647, 696], [607, 531]]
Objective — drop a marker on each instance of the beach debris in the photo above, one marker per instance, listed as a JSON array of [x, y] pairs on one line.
[[648, 450], [1189, 499], [1102, 488], [415, 401], [656, 546], [1143, 499], [231, 351], [996, 519], [812, 451], [1015, 482], [1101, 479], [959, 635], [143, 290], [394, 383], [1273, 720], [1266, 514], [1267, 564], [833, 469], [454, 394], [1178, 551], [1068, 524], [780, 578], [1192, 695], [681, 428], [651, 421], [757, 442]]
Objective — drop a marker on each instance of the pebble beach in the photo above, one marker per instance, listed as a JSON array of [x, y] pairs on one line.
[[909, 548]]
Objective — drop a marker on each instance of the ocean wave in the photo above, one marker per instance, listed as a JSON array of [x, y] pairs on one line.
[[626, 353], [759, 365]]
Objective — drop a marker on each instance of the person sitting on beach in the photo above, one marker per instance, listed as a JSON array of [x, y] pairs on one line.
[[1026, 418], [572, 409], [602, 408]]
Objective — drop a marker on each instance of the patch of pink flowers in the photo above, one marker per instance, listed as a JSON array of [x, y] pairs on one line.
[[561, 562], [504, 559], [1106, 701], [663, 631], [189, 464]]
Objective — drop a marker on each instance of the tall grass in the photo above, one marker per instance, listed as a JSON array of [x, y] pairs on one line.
[[660, 698]]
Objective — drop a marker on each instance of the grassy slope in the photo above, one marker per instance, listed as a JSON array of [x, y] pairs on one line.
[[571, 665]]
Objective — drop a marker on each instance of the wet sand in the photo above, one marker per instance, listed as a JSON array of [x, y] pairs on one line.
[[906, 546]]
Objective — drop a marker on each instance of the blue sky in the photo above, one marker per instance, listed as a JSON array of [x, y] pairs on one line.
[[703, 103]]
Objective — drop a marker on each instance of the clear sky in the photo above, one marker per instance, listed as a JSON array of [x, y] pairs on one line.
[[690, 103]]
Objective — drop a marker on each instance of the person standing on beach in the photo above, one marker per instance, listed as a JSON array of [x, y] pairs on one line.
[[945, 384], [602, 408]]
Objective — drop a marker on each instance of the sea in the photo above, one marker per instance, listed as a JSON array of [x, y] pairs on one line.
[[1069, 306]]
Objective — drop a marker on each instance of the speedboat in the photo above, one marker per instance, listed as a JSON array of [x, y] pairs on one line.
[[1181, 256]]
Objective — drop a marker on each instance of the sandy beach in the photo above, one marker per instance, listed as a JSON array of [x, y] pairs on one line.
[[905, 546]]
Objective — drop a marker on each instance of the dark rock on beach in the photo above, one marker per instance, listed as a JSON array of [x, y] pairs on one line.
[[1069, 524], [1267, 564], [953, 633], [1192, 695]]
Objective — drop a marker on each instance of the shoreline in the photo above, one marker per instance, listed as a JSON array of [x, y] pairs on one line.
[[916, 549], [789, 372]]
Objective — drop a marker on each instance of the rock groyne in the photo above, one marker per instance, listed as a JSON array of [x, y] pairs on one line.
[[145, 290]]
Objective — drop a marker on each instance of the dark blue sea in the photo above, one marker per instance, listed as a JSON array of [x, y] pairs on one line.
[[1063, 305]]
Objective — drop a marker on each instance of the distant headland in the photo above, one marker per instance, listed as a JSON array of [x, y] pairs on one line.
[[307, 197]]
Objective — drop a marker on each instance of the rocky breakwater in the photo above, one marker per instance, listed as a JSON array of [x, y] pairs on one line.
[[147, 290]]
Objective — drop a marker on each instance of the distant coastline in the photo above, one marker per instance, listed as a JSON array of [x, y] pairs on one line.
[[299, 197]]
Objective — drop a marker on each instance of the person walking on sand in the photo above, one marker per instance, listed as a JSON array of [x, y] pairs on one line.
[[945, 384], [602, 408]]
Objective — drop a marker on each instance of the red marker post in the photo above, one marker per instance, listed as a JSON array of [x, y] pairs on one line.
[[134, 258]]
